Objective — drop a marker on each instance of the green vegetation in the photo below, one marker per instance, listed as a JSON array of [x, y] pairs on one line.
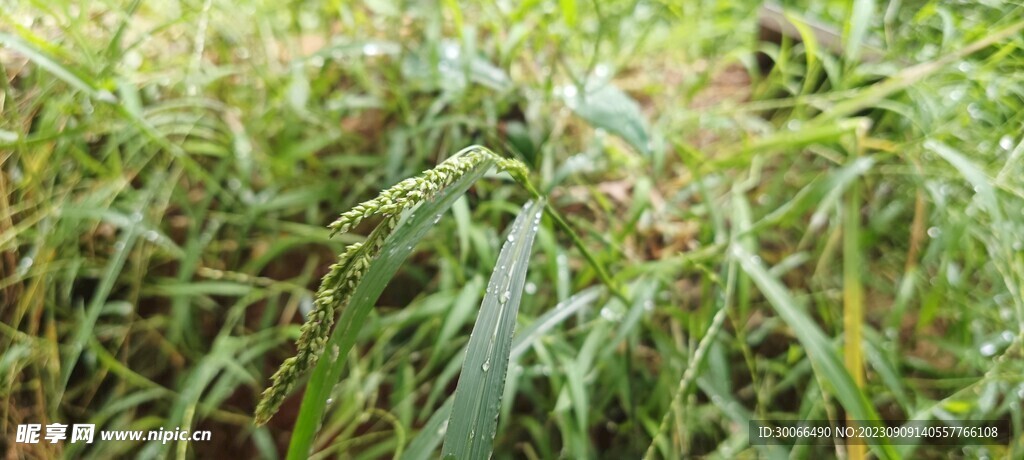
[[660, 240]]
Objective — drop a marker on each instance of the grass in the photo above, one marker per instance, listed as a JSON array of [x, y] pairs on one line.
[[835, 237]]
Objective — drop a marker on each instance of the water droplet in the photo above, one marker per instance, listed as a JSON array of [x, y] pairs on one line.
[[371, 49], [957, 94], [609, 314], [451, 51], [472, 434], [119, 246], [486, 366], [136, 216], [437, 218], [443, 428], [511, 237], [934, 232], [23, 265], [818, 220], [988, 349], [649, 305], [505, 296], [330, 401], [530, 288], [569, 91], [151, 235], [953, 273], [1006, 142], [974, 110]]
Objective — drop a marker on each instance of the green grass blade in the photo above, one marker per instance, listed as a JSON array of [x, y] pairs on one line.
[[553, 317], [68, 75], [857, 28], [822, 193], [423, 445], [853, 299], [396, 249], [820, 350], [474, 417]]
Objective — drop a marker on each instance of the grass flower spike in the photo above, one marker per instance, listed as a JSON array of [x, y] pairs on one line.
[[338, 284]]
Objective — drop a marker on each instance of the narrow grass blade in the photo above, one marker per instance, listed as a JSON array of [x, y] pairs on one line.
[[474, 417], [909, 76], [693, 367], [853, 300], [423, 445], [819, 348], [857, 28], [553, 317], [43, 60], [822, 193], [396, 249]]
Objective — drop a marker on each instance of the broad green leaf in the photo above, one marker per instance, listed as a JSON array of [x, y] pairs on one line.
[[396, 249], [451, 66], [607, 107], [474, 416], [822, 353]]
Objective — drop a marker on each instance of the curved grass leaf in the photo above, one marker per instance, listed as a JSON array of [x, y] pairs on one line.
[[820, 350], [394, 252], [69, 75], [474, 416]]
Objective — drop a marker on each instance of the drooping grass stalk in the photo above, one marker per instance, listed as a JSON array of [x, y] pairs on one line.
[[690, 374], [345, 275], [602, 274], [335, 287]]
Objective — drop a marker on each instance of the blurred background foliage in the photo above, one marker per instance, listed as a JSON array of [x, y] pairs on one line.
[[168, 169]]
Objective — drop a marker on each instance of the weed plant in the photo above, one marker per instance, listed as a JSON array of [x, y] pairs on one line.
[[661, 241]]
